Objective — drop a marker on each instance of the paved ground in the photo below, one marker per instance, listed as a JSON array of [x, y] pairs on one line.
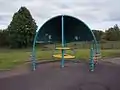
[[113, 60], [75, 76]]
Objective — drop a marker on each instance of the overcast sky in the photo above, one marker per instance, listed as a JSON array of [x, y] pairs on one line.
[[97, 14]]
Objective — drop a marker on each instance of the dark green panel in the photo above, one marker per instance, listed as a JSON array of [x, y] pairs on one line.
[[72, 28]]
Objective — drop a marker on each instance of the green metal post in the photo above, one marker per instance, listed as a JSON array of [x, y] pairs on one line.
[[62, 61], [33, 53], [91, 59]]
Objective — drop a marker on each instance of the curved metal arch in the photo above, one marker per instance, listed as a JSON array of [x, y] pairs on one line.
[[37, 32]]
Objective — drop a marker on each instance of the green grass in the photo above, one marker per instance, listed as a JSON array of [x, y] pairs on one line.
[[111, 53], [11, 58]]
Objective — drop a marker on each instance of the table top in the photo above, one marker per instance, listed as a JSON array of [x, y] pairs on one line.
[[62, 48]]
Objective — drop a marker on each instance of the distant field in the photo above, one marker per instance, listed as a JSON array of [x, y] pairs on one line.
[[105, 45], [11, 58], [86, 45]]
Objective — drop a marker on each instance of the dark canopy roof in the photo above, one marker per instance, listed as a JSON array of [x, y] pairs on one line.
[[74, 30]]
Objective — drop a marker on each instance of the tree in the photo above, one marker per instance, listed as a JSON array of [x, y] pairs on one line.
[[21, 29], [4, 38], [113, 33]]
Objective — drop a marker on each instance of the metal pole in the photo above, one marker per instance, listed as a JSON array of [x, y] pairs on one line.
[[33, 53], [91, 59], [62, 61]]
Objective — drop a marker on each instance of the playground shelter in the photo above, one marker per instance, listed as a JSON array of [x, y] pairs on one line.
[[64, 29]]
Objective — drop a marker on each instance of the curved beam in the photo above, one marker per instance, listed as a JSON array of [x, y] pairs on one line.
[[34, 51]]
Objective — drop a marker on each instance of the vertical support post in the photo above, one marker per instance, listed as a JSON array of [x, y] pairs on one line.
[[91, 59], [33, 53], [62, 61]]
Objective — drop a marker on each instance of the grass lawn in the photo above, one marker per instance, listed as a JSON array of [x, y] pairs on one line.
[[11, 58]]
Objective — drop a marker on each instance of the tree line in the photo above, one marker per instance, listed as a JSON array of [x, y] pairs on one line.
[[112, 34], [21, 30]]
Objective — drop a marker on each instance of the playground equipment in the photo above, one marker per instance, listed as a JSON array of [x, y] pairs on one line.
[[66, 56], [94, 56], [65, 29], [63, 55]]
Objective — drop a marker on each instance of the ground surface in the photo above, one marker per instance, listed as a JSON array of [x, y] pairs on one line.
[[74, 76]]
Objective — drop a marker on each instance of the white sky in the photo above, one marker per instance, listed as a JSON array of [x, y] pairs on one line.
[[97, 14]]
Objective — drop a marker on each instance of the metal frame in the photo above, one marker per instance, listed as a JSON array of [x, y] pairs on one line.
[[63, 45]]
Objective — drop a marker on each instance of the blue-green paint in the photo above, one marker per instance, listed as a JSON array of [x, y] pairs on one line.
[[91, 59], [34, 51], [33, 54], [96, 47], [62, 61]]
